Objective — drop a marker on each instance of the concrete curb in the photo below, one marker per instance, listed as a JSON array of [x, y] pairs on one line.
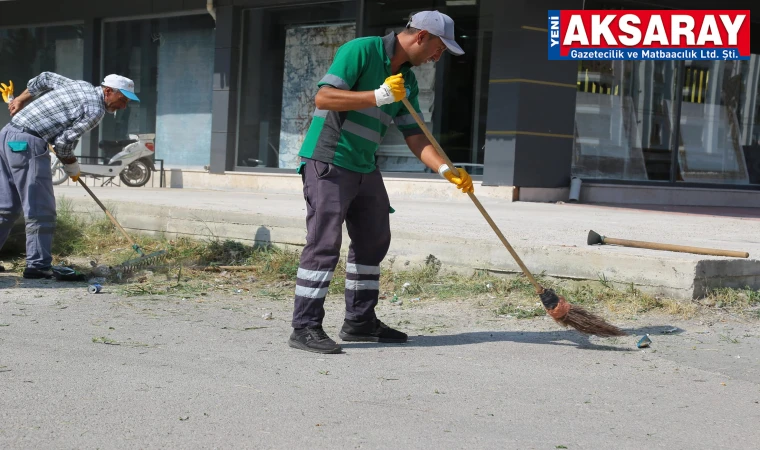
[[666, 274]]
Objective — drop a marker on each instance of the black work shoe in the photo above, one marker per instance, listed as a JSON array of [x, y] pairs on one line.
[[370, 331], [35, 274], [313, 339]]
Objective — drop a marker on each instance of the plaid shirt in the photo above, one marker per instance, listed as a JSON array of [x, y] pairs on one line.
[[64, 112]]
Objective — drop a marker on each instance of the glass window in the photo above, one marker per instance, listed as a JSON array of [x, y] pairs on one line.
[[171, 61], [447, 88], [624, 114], [286, 51], [749, 119], [718, 140], [26, 52], [625, 119]]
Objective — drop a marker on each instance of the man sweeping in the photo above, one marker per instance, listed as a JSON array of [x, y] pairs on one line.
[[356, 102], [57, 111]]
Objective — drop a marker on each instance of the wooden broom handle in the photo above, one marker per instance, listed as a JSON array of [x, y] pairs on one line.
[[675, 248], [474, 199], [430, 137], [102, 206]]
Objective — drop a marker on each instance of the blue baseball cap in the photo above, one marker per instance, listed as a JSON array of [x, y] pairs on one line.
[[123, 84], [438, 24]]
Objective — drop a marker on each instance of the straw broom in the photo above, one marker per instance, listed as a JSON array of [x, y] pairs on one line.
[[556, 306]]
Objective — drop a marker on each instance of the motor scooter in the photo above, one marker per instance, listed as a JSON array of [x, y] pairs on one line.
[[133, 164]]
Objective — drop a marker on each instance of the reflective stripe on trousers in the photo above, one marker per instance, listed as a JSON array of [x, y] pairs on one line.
[[333, 196]]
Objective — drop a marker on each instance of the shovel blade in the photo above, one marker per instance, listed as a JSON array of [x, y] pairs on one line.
[[594, 238]]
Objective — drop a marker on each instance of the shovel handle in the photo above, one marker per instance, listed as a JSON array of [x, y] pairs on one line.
[[474, 199], [675, 248]]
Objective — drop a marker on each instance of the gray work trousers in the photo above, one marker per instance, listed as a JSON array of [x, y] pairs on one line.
[[335, 195], [26, 184]]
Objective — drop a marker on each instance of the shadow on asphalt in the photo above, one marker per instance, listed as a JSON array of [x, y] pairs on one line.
[[16, 281], [566, 338]]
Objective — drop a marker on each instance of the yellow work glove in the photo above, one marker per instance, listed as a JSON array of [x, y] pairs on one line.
[[462, 180], [391, 91], [7, 91]]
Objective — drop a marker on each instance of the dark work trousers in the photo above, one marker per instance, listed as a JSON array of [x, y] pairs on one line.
[[26, 184], [334, 195]]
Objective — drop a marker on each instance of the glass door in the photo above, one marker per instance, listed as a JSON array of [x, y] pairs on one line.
[[718, 139], [286, 51]]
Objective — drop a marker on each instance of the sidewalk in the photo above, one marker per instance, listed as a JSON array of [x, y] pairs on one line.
[[550, 238]]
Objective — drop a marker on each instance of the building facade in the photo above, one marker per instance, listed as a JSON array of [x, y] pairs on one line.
[[228, 85]]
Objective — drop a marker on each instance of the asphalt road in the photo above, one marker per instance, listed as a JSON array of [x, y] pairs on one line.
[[107, 371]]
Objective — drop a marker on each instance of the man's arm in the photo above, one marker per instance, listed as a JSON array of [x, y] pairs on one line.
[[335, 92], [67, 141], [331, 99], [44, 82], [18, 103], [424, 151], [418, 143]]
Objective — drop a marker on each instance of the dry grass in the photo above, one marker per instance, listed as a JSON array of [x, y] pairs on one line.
[[745, 302], [273, 273]]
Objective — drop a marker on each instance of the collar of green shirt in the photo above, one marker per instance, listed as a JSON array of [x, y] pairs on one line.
[[389, 44]]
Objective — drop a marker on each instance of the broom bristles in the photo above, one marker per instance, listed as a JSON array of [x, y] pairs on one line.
[[576, 317], [587, 323]]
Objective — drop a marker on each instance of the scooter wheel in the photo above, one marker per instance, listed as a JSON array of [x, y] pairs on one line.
[[136, 174], [59, 175]]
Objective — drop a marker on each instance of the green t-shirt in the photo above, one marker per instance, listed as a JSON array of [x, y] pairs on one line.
[[350, 139]]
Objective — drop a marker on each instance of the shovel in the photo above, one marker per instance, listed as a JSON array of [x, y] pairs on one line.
[[596, 238]]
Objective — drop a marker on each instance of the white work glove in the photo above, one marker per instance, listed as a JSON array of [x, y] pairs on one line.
[[72, 170], [391, 91]]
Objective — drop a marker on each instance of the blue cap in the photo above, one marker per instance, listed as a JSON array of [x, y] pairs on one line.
[[123, 84]]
